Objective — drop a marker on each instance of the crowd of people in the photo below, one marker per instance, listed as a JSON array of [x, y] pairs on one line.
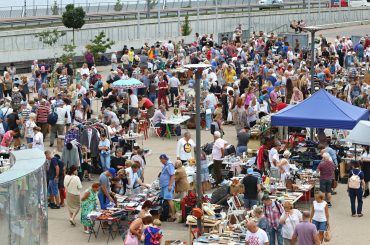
[[248, 80]]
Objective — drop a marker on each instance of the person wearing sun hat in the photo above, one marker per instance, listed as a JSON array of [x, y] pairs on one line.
[[104, 193]]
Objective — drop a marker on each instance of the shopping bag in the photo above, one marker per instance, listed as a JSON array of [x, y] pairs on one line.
[[327, 234]]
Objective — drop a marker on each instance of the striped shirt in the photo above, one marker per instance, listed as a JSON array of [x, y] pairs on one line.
[[63, 81], [26, 114], [42, 113]]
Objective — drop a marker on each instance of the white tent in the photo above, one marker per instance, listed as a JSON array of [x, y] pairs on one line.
[[360, 134]]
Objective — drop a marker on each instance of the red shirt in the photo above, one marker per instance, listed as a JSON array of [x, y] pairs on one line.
[[326, 169], [147, 104], [162, 84]]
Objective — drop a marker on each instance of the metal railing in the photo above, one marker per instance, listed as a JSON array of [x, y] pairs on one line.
[[131, 6], [167, 12]]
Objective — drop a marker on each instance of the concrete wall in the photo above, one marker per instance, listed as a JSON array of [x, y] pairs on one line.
[[20, 45]]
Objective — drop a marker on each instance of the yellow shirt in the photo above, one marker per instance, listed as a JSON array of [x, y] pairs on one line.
[[229, 76], [131, 55]]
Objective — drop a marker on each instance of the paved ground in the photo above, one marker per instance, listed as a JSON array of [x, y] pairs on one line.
[[345, 229]]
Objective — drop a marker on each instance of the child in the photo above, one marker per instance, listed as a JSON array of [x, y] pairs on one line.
[[152, 234]]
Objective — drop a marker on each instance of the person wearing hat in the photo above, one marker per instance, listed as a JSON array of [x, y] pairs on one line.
[[167, 183], [251, 189], [17, 98], [283, 166], [104, 193]]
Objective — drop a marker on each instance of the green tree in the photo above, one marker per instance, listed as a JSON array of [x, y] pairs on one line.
[[118, 6], [68, 52], [150, 4], [185, 28], [73, 18], [99, 45], [54, 8], [50, 37]]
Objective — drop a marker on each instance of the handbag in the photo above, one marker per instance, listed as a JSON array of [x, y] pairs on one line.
[[131, 239], [334, 184], [327, 234]]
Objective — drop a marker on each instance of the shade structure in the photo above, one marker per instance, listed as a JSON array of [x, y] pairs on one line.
[[360, 134], [321, 110], [131, 83]]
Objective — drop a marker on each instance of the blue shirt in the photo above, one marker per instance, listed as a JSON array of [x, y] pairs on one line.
[[168, 170], [332, 154]]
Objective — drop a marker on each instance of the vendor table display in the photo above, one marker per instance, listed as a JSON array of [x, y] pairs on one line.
[[173, 122]]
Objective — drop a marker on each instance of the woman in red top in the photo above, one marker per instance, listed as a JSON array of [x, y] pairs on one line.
[[162, 92], [147, 104]]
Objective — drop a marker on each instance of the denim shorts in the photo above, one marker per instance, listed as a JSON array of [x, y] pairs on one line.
[[29, 140], [53, 188], [325, 186], [320, 226]]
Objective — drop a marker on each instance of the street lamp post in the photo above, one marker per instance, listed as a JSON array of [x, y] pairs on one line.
[[312, 30], [198, 69]]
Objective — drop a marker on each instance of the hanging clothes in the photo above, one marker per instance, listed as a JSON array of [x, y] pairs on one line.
[[70, 155], [90, 139], [72, 134]]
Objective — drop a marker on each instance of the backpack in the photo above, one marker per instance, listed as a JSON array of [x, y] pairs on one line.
[[154, 238], [52, 118], [354, 181]]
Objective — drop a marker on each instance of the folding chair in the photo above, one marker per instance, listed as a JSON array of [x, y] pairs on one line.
[[235, 210], [153, 127]]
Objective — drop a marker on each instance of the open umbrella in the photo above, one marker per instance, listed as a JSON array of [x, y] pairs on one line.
[[131, 83]]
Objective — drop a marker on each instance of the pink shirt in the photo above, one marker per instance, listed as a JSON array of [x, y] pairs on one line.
[[7, 139]]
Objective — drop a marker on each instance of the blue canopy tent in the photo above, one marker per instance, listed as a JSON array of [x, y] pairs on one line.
[[321, 110]]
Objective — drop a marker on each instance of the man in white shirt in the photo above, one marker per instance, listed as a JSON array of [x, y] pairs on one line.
[[159, 115], [174, 84], [134, 182], [58, 128], [255, 235], [274, 159], [134, 104], [184, 148], [171, 49], [218, 154], [81, 89]]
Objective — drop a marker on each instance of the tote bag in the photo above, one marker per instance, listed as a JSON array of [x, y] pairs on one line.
[[131, 239]]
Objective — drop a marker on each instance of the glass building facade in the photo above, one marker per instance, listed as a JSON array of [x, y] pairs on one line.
[[23, 200]]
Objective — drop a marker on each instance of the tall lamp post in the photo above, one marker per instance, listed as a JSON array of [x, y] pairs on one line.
[[198, 69], [312, 30]]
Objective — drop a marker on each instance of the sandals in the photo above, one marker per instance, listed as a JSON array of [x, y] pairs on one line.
[[72, 222]]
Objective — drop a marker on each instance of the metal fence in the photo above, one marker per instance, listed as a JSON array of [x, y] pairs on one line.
[[106, 6]]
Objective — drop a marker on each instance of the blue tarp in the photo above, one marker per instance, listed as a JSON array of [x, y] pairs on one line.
[[321, 110]]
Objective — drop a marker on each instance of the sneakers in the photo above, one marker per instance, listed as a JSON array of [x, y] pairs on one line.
[[329, 205]]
